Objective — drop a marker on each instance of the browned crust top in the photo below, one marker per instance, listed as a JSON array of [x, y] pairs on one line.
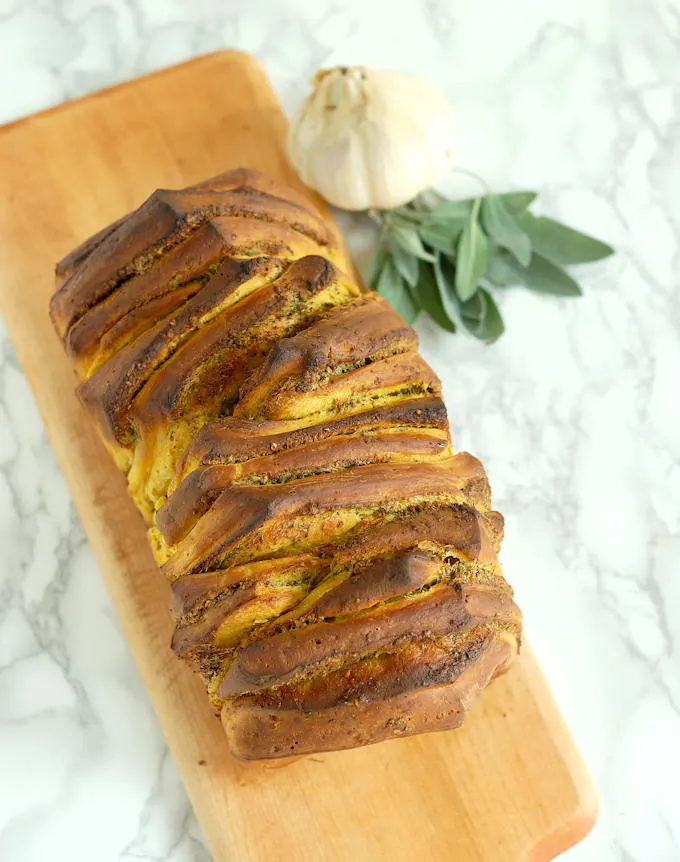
[[333, 565]]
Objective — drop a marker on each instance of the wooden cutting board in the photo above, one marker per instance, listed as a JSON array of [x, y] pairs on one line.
[[510, 785]]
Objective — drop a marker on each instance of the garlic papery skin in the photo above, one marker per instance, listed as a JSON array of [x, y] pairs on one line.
[[371, 139]]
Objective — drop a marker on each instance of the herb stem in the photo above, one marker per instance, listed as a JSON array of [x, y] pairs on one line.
[[483, 183]]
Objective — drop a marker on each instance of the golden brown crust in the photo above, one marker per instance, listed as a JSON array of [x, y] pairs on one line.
[[66, 266], [365, 712], [281, 457], [194, 497], [165, 220], [358, 357], [400, 558], [333, 565], [141, 300], [233, 439], [345, 339], [444, 609], [249, 522]]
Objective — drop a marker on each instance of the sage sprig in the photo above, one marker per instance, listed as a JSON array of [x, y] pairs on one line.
[[445, 257]]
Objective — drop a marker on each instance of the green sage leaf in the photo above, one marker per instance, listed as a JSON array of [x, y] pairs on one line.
[[484, 320], [502, 269], [474, 310], [415, 210], [517, 202], [453, 211], [377, 264], [442, 234], [430, 299], [406, 214], [392, 287], [406, 263], [541, 276], [471, 256], [560, 244], [501, 226], [445, 278], [406, 235]]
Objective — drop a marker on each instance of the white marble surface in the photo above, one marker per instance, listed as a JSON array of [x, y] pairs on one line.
[[575, 412]]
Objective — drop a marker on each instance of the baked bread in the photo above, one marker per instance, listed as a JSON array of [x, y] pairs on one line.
[[333, 563]]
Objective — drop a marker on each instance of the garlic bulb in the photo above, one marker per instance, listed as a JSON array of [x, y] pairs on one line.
[[371, 139]]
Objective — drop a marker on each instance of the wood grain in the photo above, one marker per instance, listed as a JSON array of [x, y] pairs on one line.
[[510, 785]]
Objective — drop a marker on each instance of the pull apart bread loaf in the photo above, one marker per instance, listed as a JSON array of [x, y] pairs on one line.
[[333, 564]]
